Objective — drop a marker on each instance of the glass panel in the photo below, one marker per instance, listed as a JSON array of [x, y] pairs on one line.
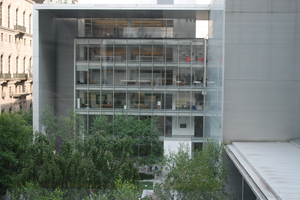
[[160, 123], [197, 101], [182, 102], [170, 30], [159, 30], [185, 77], [94, 99], [158, 76], [145, 100], [120, 51], [106, 99], [110, 27], [81, 74], [98, 28], [198, 126], [133, 51], [94, 52], [146, 77], [146, 51], [107, 51], [133, 100], [121, 28], [81, 99], [171, 51], [197, 52], [158, 51], [170, 102], [94, 75], [169, 78], [197, 76], [147, 26], [81, 52], [184, 52], [133, 77], [120, 100], [88, 28], [158, 101], [170, 126], [136, 28], [120, 76], [107, 75]]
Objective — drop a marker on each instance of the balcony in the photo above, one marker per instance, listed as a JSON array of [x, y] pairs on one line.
[[21, 76], [5, 76], [20, 30]]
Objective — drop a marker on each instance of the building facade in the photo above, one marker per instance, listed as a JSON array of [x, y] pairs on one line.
[[238, 85], [16, 55]]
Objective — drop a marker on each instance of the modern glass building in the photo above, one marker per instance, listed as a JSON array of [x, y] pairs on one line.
[[238, 85], [140, 67]]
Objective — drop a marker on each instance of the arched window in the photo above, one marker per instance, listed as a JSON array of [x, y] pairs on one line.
[[29, 27], [0, 13], [17, 11], [17, 64], [1, 64], [24, 59], [24, 18], [8, 17], [8, 64]]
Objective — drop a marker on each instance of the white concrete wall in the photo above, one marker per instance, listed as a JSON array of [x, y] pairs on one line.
[[172, 146]]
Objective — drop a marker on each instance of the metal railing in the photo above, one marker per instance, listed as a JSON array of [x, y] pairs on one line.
[[5, 75], [20, 28], [22, 75]]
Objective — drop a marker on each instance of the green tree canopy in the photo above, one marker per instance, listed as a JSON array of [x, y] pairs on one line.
[[15, 135], [202, 176], [144, 134]]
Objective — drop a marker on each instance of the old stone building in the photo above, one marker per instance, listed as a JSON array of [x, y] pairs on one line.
[[16, 54]]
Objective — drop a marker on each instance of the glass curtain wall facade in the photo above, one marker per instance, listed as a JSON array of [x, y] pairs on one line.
[[141, 76]]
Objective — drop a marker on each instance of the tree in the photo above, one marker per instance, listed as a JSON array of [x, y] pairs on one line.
[[40, 164], [15, 135], [202, 176], [95, 163], [144, 134], [70, 127]]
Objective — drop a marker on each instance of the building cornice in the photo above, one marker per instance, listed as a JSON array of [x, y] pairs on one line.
[[13, 31], [30, 1]]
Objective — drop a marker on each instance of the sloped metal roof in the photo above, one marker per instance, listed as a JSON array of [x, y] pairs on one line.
[[272, 169]]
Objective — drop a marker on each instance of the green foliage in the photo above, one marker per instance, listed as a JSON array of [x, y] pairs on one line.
[[95, 163], [15, 135], [70, 127], [27, 115], [40, 164], [144, 134], [201, 177], [34, 192], [125, 190]]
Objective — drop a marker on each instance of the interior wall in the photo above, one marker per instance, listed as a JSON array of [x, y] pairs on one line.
[[262, 74], [66, 32], [184, 29]]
